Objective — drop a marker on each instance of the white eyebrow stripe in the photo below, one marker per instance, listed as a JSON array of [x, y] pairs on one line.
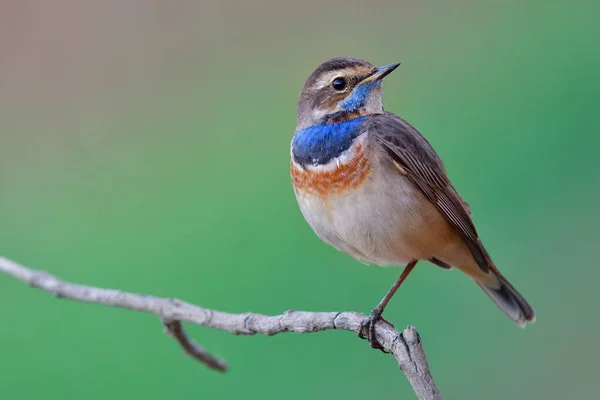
[[327, 78]]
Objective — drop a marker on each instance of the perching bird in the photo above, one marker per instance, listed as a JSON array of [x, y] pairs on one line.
[[371, 185]]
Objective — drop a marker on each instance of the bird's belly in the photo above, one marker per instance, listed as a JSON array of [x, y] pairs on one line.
[[385, 221]]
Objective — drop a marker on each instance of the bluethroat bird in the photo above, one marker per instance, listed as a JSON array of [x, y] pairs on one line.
[[369, 184]]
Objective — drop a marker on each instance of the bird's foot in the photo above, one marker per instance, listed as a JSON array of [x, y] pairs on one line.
[[367, 329]]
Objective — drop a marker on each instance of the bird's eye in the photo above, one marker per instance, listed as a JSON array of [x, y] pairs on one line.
[[339, 83]]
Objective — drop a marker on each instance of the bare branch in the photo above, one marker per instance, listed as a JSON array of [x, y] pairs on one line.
[[404, 346], [175, 329]]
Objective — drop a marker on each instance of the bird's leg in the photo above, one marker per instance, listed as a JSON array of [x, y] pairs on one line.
[[367, 327]]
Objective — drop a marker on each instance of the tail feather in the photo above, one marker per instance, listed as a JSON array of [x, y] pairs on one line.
[[508, 299]]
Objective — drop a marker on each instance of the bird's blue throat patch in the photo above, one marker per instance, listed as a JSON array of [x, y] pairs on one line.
[[319, 144], [359, 96]]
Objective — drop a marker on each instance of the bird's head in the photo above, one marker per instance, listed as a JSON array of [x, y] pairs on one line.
[[341, 87]]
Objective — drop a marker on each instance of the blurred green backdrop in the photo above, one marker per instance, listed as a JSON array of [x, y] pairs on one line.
[[144, 146]]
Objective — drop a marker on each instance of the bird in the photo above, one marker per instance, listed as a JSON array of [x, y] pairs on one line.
[[369, 184]]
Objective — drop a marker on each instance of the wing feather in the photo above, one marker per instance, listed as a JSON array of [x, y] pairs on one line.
[[407, 147]]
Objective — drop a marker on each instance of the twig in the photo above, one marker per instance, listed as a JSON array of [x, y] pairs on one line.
[[404, 346], [175, 329]]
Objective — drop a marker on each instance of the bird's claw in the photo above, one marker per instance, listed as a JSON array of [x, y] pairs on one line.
[[366, 329]]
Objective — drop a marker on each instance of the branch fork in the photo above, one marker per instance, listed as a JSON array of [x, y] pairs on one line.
[[406, 346]]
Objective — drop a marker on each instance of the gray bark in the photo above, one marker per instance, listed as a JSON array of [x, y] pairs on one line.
[[405, 346]]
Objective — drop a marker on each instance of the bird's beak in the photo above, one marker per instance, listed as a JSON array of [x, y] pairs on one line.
[[380, 73]]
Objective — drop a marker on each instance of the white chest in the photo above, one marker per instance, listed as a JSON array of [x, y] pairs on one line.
[[371, 217]]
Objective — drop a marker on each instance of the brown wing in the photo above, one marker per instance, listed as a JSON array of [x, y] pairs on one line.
[[406, 146]]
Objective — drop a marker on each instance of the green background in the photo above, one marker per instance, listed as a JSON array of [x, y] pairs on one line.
[[145, 146]]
